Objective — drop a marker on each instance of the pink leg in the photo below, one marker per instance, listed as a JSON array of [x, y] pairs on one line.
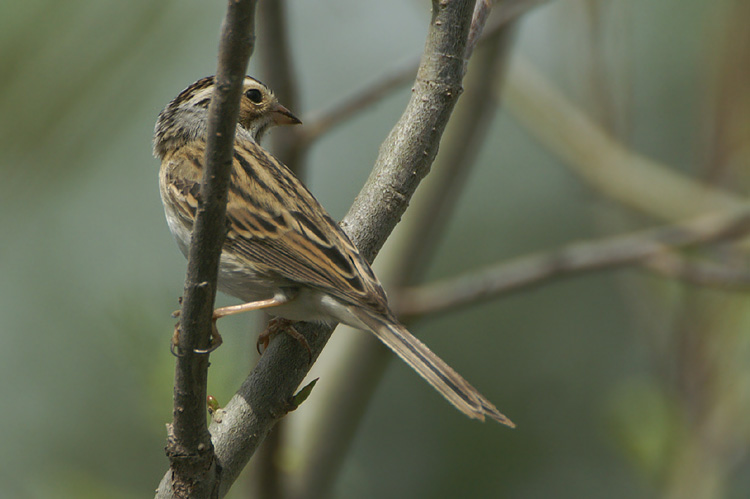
[[216, 340], [252, 305]]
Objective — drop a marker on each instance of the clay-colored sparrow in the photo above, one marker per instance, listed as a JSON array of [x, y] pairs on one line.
[[282, 249]]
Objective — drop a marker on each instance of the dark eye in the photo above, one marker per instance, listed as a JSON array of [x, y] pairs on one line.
[[254, 95]]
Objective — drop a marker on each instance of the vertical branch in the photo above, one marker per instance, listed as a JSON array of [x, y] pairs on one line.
[[710, 348], [265, 477], [729, 100], [275, 56], [193, 469]]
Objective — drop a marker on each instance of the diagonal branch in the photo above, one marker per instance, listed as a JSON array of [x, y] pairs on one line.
[[489, 282], [193, 469], [322, 121], [409, 150]]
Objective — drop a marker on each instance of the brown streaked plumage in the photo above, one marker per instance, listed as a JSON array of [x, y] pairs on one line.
[[282, 247]]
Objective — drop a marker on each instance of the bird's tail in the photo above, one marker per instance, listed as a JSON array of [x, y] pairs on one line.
[[432, 368]]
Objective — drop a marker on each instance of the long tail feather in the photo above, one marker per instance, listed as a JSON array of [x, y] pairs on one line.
[[433, 369]]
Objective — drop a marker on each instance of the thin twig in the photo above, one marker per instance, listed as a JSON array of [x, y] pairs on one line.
[[492, 281], [404, 160], [481, 10], [321, 122], [193, 470], [699, 272]]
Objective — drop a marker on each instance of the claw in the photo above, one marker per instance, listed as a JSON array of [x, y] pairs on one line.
[[174, 345], [216, 340], [278, 325]]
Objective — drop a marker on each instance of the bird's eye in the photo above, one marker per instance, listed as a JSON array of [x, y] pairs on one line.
[[254, 95]]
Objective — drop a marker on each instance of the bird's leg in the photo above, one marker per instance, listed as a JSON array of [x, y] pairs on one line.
[[277, 300], [216, 341], [280, 325]]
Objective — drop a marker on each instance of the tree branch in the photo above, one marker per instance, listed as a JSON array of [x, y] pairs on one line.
[[265, 480], [489, 282], [699, 272], [193, 470], [404, 160]]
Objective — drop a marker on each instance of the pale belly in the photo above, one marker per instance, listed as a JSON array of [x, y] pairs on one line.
[[305, 304]]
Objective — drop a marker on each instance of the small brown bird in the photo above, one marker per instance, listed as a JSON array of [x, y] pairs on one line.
[[282, 249]]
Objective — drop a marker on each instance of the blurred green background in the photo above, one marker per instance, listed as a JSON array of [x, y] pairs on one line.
[[588, 367]]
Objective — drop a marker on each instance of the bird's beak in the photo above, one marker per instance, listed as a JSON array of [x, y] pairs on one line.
[[283, 116]]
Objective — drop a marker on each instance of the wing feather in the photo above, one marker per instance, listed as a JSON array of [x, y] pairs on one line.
[[277, 225], [304, 242]]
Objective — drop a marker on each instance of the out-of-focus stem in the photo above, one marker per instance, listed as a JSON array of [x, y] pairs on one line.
[[612, 169], [364, 362]]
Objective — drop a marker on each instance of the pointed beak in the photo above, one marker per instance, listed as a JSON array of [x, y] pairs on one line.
[[283, 116]]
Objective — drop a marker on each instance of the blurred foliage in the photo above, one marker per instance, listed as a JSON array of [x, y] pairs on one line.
[[622, 385]]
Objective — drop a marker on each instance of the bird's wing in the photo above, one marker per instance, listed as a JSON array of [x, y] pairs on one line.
[[279, 227]]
